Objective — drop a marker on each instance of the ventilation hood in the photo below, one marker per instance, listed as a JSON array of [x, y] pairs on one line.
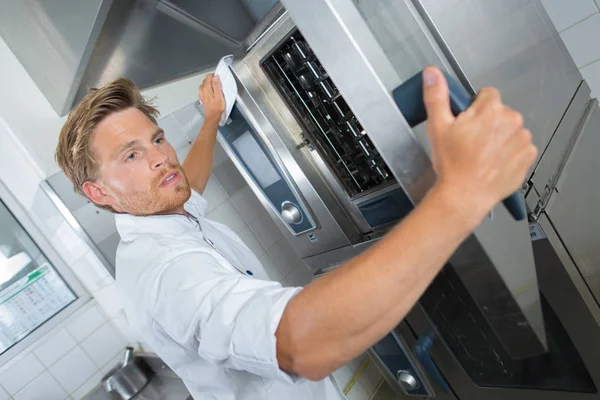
[[69, 46]]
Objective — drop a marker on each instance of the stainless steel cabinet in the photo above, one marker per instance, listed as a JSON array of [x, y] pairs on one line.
[[572, 206]]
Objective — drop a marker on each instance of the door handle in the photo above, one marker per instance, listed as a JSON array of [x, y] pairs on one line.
[[409, 99], [422, 350]]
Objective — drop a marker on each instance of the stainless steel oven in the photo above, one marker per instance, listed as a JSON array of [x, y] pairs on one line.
[[320, 139]]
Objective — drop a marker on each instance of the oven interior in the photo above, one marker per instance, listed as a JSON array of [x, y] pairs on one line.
[[333, 130], [330, 126]]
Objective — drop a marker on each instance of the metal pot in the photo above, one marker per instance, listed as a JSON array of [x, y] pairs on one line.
[[126, 379]]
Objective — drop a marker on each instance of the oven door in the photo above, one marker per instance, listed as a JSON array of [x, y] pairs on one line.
[[472, 360], [369, 48]]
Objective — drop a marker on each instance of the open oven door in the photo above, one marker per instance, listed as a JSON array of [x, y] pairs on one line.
[[369, 49]]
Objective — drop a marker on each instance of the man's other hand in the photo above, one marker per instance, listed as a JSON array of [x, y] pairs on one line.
[[212, 98]]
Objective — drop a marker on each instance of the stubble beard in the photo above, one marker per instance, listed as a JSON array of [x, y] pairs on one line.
[[156, 200]]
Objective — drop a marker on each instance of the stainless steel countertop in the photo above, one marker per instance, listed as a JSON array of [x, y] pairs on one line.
[[163, 384]]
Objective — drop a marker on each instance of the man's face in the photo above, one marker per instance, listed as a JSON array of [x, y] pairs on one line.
[[139, 170]]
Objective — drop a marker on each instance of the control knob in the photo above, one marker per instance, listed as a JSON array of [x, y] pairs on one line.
[[407, 380], [290, 213]]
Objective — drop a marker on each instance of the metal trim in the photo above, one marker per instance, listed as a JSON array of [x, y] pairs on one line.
[[62, 208], [274, 16], [443, 46], [552, 185]]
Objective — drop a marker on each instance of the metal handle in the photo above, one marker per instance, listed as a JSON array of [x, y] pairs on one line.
[[409, 99], [422, 349], [127, 356]]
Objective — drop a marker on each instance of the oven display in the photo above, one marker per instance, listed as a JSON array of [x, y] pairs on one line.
[[256, 160]]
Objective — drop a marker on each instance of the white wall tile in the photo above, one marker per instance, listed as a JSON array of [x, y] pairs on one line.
[[219, 155], [343, 375], [300, 276], [357, 393], [55, 347], [45, 214], [265, 230], [109, 300], [356, 363], [228, 215], [183, 152], [16, 376], [190, 120], [171, 96], [251, 241], [564, 13], [3, 394], [246, 202], [284, 256], [370, 378], [229, 177], [74, 369], [86, 323], [271, 268], [118, 359], [99, 224], [91, 272], [68, 243], [44, 387], [122, 324], [582, 40], [88, 386], [591, 74], [173, 132], [213, 194], [104, 344], [29, 115]]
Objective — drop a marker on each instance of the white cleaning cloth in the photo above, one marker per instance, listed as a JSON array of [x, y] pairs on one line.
[[228, 84]]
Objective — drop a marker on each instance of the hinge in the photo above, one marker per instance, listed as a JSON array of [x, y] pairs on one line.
[[542, 203], [552, 185]]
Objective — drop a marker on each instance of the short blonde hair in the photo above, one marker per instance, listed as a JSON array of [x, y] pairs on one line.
[[74, 154]]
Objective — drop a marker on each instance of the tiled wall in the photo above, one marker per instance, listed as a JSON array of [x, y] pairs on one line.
[[73, 355], [68, 362], [366, 385], [578, 22]]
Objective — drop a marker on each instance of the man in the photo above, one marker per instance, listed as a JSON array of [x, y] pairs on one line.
[[201, 299]]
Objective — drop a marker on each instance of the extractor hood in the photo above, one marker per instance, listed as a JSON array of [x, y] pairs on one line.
[[69, 46]]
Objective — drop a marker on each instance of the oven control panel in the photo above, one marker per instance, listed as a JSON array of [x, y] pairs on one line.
[[250, 151]]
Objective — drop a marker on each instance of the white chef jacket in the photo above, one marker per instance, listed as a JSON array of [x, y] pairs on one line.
[[204, 303]]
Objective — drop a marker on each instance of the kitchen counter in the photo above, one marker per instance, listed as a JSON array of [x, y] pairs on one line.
[[164, 383]]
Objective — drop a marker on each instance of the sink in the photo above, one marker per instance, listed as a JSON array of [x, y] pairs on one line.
[[164, 384]]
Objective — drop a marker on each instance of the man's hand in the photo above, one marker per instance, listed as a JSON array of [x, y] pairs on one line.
[[481, 156], [198, 163], [211, 96]]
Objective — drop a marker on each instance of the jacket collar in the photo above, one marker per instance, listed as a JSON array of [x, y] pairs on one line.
[[131, 226]]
